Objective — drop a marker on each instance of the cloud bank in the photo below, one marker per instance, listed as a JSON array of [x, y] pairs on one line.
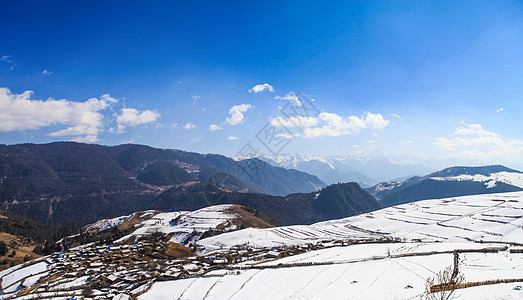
[[473, 141], [331, 124], [84, 121]]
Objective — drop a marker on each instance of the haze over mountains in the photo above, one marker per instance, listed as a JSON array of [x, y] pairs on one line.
[[367, 167]]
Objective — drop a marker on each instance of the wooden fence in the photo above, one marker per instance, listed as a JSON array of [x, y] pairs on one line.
[[448, 287]]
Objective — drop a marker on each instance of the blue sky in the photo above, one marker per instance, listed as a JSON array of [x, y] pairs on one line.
[[430, 79]]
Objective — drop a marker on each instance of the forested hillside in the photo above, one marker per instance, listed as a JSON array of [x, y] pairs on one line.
[[52, 183]]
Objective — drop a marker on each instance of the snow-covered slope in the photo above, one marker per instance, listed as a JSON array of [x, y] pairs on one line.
[[430, 231], [182, 226], [491, 217], [449, 182], [512, 178], [108, 223], [386, 254]]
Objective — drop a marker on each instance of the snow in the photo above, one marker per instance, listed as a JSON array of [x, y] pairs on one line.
[[490, 217], [429, 231], [364, 277], [386, 186], [10, 270], [272, 237], [121, 297], [291, 161], [78, 282], [512, 178], [108, 223], [364, 252], [13, 280], [181, 225], [30, 281], [376, 270]]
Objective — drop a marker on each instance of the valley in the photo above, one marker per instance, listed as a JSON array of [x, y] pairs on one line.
[[387, 253]]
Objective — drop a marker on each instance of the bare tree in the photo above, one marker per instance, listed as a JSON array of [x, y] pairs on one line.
[[443, 285]]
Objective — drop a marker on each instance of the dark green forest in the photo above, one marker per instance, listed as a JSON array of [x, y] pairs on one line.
[[73, 183]]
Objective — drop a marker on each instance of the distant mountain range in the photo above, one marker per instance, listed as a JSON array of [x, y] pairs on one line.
[[450, 182], [59, 183], [367, 168]]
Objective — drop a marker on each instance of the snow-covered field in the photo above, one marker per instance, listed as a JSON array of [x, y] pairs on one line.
[[430, 229], [490, 218], [13, 281], [365, 276], [386, 254]]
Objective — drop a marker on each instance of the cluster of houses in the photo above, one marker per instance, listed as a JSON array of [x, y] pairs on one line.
[[102, 272], [128, 270]]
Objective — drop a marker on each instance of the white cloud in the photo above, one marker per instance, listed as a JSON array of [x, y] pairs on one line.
[[189, 125], [335, 125], [298, 121], [214, 127], [474, 141], [374, 121], [19, 112], [84, 121], [499, 110], [285, 136], [261, 87], [291, 97], [232, 138], [396, 116], [133, 117], [195, 99], [7, 59], [45, 72], [474, 129], [459, 142], [173, 125], [236, 114], [331, 124], [86, 139], [372, 141]]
